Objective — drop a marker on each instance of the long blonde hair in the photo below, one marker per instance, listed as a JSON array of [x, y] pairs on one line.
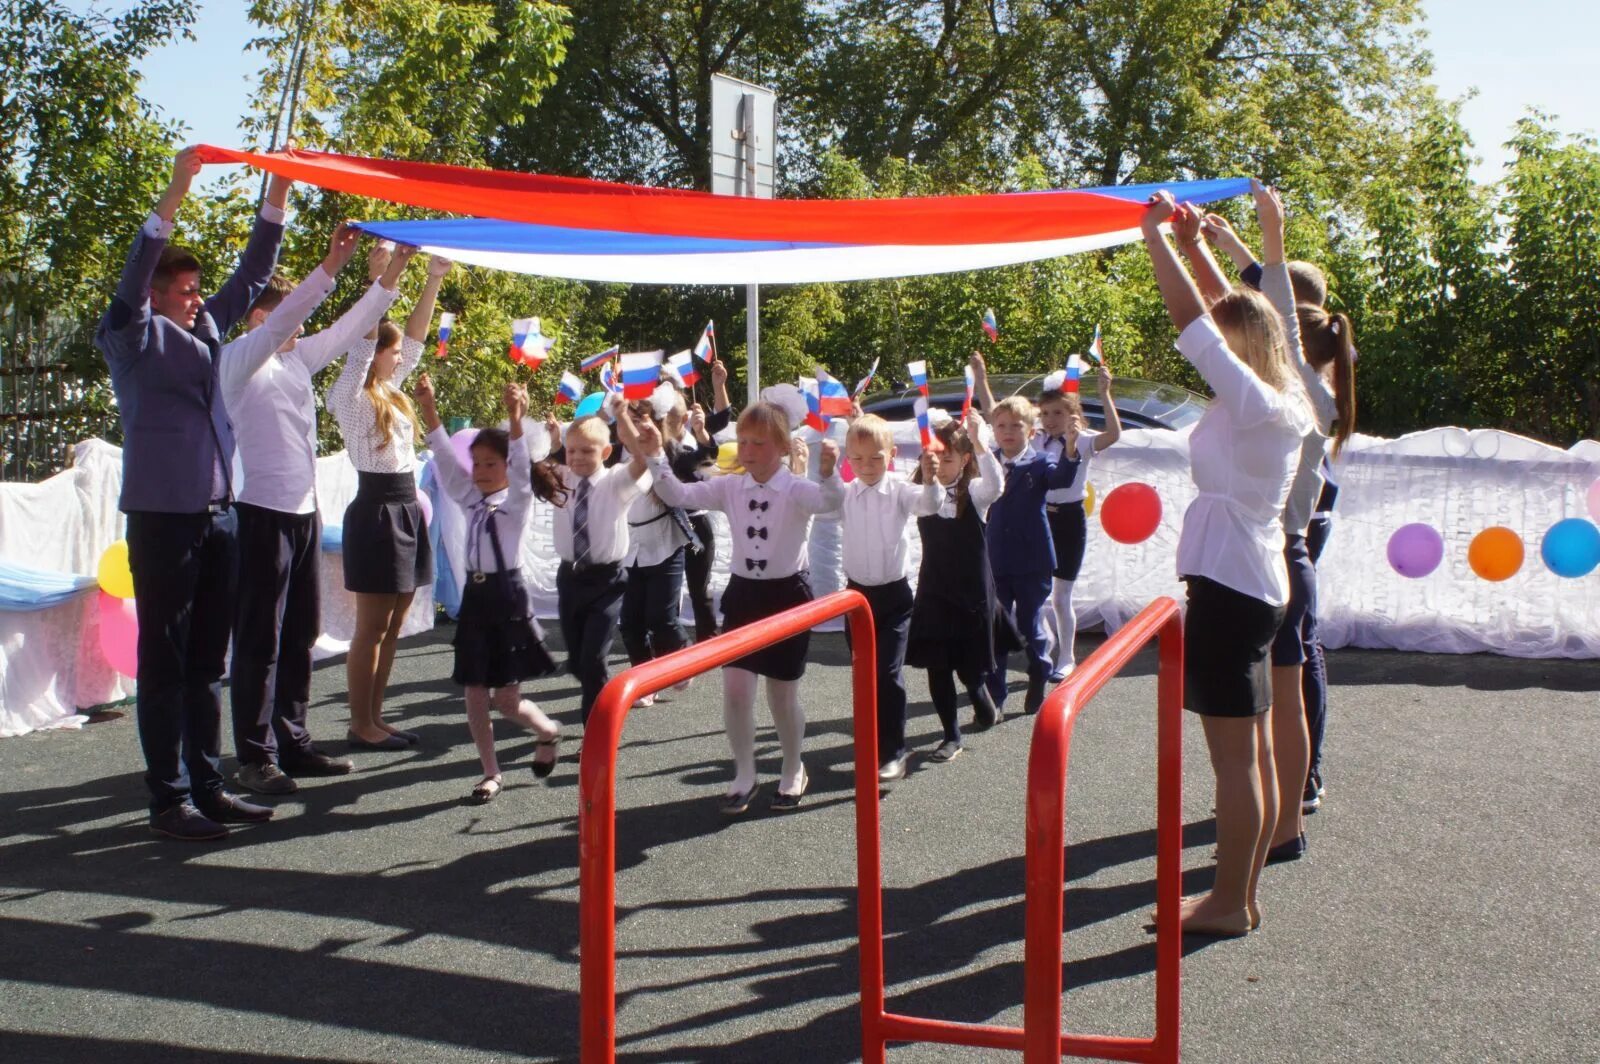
[[388, 402], [1255, 334]]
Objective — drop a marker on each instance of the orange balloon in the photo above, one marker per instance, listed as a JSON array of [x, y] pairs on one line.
[[1495, 553]]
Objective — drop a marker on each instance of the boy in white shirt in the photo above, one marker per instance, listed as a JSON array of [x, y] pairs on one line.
[[266, 379], [877, 504]]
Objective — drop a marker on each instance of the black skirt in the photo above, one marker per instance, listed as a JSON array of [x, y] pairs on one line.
[[746, 601], [956, 621], [1069, 528], [1226, 636], [386, 549], [496, 641]]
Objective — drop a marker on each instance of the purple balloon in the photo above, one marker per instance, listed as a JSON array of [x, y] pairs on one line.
[[1415, 550], [461, 444]]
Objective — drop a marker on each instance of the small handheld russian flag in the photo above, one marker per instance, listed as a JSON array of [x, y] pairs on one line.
[[447, 325], [866, 382], [570, 390], [594, 362], [681, 366], [966, 404], [1075, 367], [919, 376], [832, 397], [641, 371], [813, 396], [609, 378], [707, 344], [991, 326], [1097, 352], [529, 346], [930, 442]]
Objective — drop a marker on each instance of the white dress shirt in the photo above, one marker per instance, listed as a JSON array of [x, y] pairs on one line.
[[271, 398], [874, 521], [158, 228], [1307, 487], [1243, 453], [1056, 446], [507, 508], [652, 533], [611, 495], [768, 523], [983, 490], [358, 421]]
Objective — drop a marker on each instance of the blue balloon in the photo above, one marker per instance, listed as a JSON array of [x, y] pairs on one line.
[[589, 406], [1571, 548]]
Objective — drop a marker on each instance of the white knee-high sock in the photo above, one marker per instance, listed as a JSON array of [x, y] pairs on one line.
[[739, 720], [1066, 618], [783, 698]]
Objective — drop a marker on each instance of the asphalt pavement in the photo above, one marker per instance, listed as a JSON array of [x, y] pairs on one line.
[[1446, 911]]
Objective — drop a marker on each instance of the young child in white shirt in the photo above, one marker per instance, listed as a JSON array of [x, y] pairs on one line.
[[591, 538], [877, 504], [769, 512], [498, 644]]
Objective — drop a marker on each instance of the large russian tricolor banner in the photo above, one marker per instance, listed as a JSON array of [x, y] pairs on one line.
[[595, 230]]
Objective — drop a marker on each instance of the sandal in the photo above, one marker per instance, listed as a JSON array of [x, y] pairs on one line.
[[542, 769], [485, 791]]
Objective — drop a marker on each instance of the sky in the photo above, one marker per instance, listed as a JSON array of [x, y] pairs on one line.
[[1545, 55]]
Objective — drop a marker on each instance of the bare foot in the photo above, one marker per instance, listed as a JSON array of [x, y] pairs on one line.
[[1201, 914]]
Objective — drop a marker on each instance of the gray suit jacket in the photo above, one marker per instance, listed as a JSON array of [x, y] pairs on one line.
[[174, 423]]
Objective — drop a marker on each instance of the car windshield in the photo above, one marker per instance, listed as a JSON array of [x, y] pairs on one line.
[[1140, 403]]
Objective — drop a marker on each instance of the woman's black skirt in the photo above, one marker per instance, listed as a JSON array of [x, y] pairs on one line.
[[386, 549], [496, 641], [1069, 528], [1226, 636], [746, 601]]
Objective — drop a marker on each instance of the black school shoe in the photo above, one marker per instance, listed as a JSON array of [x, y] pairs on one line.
[[985, 714], [227, 808], [313, 762], [1292, 850], [1035, 697], [184, 821]]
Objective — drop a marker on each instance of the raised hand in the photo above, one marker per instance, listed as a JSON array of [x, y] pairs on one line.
[[1217, 229], [974, 426], [930, 467], [552, 428], [397, 265], [426, 402], [719, 374], [516, 399], [980, 368], [378, 258], [646, 439], [1186, 225], [799, 456], [855, 410], [1104, 379], [828, 459], [341, 246], [185, 167], [1269, 212], [1159, 208], [697, 424], [438, 266]]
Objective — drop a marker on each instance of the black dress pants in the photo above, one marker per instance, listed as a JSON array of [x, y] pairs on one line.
[[183, 581], [589, 602], [650, 625], [891, 623], [277, 617], [697, 571]]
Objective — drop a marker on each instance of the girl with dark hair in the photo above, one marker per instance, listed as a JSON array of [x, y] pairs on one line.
[[498, 643]]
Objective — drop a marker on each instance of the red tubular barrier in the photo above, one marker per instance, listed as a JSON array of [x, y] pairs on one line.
[[597, 807], [1046, 844]]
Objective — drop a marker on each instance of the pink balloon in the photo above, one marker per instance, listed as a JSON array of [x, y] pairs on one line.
[[461, 444], [425, 504], [846, 473], [1594, 501], [119, 634]]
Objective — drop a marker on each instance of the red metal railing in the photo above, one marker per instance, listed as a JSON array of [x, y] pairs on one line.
[[597, 808], [1041, 1038]]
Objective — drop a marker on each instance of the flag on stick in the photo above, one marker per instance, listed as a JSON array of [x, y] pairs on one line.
[[529, 346], [832, 399], [570, 390], [1097, 352], [814, 416], [447, 325], [681, 366], [991, 326], [919, 376], [930, 442], [705, 349], [594, 362], [610, 377], [1075, 367], [641, 371], [866, 382], [966, 404]]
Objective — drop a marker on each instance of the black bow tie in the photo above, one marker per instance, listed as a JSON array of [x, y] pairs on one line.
[[753, 532], [755, 563], [759, 505]]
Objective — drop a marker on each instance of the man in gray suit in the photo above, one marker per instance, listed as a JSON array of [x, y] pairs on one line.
[[161, 339]]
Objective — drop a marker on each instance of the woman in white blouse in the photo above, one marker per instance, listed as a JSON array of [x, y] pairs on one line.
[[1243, 456], [386, 551]]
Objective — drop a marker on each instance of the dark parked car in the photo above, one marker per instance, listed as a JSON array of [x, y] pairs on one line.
[[1140, 404]]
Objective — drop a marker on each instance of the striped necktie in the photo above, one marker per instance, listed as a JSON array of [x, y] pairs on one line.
[[580, 525]]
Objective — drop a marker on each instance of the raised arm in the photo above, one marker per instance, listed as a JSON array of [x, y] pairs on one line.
[[980, 385], [250, 279], [124, 327], [719, 392], [827, 493], [1113, 429], [422, 314], [456, 482], [1186, 221], [1177, 290], [1220, 234], [640, 440], [985, 489]]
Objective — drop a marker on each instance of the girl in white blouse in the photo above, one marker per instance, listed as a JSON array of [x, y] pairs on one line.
[[386, 552], [1243, 455], [498, 643], [769, 512]]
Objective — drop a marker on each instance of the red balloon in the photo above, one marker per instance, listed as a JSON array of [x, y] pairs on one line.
[[1131, 513]]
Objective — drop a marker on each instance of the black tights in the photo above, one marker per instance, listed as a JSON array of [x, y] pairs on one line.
[[942, 687]]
